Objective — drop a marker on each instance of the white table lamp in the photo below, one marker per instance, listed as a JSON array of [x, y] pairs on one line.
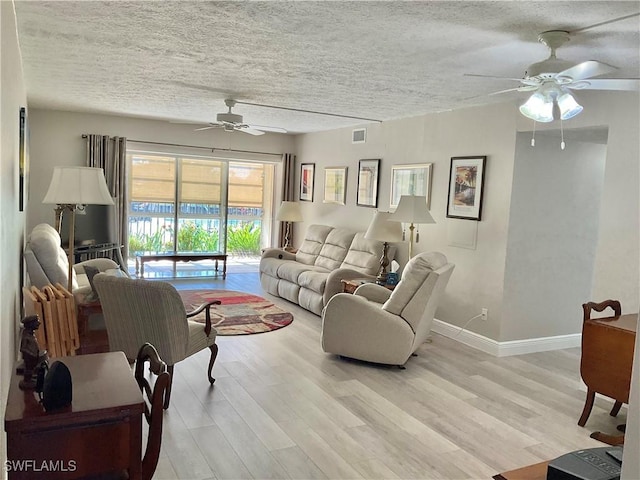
[[385, 230], [289, 212], [413, 210], [72, 188]]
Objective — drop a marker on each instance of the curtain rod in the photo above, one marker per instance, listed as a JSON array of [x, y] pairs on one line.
[[210, 149]]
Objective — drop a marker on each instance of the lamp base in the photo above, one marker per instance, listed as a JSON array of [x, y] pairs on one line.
[[381, 279]]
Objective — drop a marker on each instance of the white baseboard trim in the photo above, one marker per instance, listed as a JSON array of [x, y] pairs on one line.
[[506, 349]]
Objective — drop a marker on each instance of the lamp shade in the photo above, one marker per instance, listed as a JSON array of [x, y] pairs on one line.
[[568, 106], [289, 212], [412, 209], [78, 186], [383, 229], [538, 107]]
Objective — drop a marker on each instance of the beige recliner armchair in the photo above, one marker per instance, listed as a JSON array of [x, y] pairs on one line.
[[380, 326], [47, 262]]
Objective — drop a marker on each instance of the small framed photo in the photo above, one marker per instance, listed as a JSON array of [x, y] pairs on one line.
[[414, 179], [335, 185], [368, 180], [466, 187], [307, 177]]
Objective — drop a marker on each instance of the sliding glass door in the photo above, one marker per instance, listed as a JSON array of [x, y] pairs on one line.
[[201, 215], [182, 204]]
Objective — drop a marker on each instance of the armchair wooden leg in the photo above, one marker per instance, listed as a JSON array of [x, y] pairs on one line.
[[214, 354], [615, 409], [588, 405], [167, 395]]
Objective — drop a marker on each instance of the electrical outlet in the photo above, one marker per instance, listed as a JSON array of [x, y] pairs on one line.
[[484, 313]]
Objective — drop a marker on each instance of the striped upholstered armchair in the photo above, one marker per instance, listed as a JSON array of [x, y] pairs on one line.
[[139, 311]]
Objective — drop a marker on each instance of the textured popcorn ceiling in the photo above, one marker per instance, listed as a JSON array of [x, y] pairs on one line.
[[383, 60]]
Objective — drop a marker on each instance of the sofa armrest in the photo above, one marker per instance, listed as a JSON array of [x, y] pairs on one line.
[[102, 264], [278, 253], [373, 292], [334, 284]]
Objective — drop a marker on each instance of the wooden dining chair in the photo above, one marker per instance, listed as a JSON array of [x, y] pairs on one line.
[[154, 403], [154, 387], [601, 371]]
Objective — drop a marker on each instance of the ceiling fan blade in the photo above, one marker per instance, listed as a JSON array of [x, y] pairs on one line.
[[526, 88], [249, 130], [588, 69], [607, 84], [492, 76], [207, 128], [267, 129]]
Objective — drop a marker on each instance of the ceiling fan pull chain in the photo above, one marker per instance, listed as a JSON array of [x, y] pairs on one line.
[[533, 137], [562, 144]]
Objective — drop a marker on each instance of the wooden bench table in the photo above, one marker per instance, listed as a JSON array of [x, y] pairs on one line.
[[141, 258]]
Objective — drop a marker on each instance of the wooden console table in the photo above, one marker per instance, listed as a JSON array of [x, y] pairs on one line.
[[100, 432], [141, 258]]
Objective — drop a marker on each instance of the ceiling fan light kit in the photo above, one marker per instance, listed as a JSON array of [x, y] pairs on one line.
[[552, 79], [554, 103]]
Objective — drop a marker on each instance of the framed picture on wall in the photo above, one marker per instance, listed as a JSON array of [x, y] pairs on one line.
[[23, 160], [335, 185], [307, 177], [414, 179], [368, 179], [466, 187]]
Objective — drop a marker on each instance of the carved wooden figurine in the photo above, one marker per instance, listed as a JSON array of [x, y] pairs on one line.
[[30, 351]]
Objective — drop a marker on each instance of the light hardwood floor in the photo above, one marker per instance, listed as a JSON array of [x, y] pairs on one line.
[[282, 408]]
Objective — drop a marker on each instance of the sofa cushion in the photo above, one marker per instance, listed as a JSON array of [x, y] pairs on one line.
[[312, 244], [290, 270], [313, 280], [363, 255], [335, 249], [270, 265], [44, 242]]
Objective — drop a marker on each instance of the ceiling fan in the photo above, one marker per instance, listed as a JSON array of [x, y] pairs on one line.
[[553, 78], [232, 122]]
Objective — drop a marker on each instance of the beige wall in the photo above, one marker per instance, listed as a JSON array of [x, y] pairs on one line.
[[553, 236], [13, 97], [477, 280]]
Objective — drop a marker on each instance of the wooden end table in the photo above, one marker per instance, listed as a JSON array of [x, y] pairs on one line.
[[349, 286]]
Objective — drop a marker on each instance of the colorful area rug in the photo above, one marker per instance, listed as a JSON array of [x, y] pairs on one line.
[[241, 313]]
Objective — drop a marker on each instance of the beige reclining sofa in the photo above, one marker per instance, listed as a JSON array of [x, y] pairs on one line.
[[312, 275]]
